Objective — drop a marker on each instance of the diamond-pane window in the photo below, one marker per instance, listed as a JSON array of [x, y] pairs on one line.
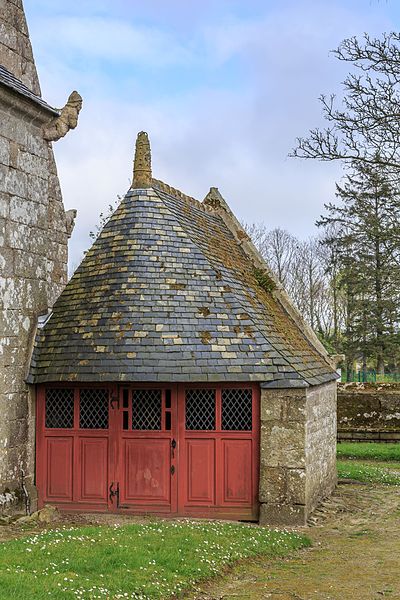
[[236, 409], [93, 409], [59, 408], [200, 410], [146, 409]]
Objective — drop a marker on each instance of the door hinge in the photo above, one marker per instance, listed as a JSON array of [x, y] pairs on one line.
[[114, 492]]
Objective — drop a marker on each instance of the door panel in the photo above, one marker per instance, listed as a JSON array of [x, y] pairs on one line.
[[237, 463], [147, 454], [218, 432], [93, 461], [200, 471], [59, 468], [147, 476]]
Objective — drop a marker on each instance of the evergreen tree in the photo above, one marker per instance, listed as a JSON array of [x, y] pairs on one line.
[[366, 243]]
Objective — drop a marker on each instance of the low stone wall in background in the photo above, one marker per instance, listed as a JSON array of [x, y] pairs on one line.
[[369, 412]]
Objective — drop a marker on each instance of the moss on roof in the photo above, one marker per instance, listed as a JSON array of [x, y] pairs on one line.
[[167, 293]]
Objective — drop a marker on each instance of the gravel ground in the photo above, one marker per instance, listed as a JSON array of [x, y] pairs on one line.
[[355, 555]]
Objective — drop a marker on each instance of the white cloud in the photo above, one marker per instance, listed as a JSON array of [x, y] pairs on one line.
[[254, 92], [111, 39]]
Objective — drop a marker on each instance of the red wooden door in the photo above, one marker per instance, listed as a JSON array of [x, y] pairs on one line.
[[219, 448], [73, 446], [146, 436], [172, 449]]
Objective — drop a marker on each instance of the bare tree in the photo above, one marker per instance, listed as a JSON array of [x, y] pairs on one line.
[[259, 234], [310, 288], [302, 268], [277, 246], [366, 127]]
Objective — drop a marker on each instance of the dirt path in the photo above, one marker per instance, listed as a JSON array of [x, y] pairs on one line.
[[355, 555]]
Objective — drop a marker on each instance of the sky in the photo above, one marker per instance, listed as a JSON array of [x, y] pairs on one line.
[[223, 88]]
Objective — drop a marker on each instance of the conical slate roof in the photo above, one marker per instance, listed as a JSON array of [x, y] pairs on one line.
[[173, 290]]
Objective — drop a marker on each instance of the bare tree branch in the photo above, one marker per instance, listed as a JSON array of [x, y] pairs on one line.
[[365, 126]]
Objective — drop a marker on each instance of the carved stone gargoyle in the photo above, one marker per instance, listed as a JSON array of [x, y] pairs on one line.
[[67, 120], [70, 216]]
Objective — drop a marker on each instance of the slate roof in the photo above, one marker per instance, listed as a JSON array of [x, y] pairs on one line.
[[10, 81], [166, 293]]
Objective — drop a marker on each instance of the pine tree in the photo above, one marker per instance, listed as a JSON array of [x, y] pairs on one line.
[[366, 243]]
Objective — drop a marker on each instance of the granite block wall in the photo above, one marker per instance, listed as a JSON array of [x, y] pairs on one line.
[[33, 269], [369, 412], [297, 452], [321, 476], [15, 46]]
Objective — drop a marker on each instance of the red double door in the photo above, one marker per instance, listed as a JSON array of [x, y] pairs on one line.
[[172, 449]]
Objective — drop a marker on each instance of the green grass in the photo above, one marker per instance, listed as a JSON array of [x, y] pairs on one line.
[[368, 473], [388, 465], [369, 451], [369, 462], [153, 560]]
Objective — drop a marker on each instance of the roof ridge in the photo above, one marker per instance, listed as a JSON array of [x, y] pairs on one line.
[[168, 189]]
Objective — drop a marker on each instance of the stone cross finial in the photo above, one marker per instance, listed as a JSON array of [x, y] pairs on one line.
[[142, 162]]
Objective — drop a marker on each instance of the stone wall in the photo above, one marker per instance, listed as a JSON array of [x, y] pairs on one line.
[[369, 412], [15, 46], [297, 452], [321, 426], [33, 268]]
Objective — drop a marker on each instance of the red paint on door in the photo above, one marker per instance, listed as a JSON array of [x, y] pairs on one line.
[[145, 473], [59, 468], [219, 433], [171, 449], [146, 467], [92, 463], [237, 471], [200, 472]]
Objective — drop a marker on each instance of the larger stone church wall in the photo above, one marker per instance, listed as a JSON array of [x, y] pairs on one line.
[[15, 47], [33, 270]]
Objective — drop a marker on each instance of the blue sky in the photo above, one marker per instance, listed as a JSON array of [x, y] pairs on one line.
[[222, 87]]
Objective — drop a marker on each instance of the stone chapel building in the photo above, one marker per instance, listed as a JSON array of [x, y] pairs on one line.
[[34, 231], [172, 374]]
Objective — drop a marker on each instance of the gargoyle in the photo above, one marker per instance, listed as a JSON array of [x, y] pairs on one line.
[[70, 216], [67, 120]]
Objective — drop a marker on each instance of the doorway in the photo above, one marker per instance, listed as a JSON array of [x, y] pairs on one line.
[[171, 449]]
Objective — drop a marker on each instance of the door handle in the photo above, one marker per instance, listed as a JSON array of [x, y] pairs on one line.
[[173, 446]]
